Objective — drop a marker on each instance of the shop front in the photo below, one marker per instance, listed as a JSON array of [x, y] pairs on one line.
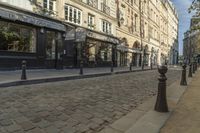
[[137, 54], [95, 49], [146, 56], [99, 49], [123, 53], [31, 37]]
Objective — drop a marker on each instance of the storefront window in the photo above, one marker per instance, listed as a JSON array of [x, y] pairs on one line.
[[17, 38], [105, 52], [92, 52]]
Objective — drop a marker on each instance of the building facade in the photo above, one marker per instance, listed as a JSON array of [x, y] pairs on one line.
[[64, 33], [26, 35], [172, 34], [97, 21], [191, 41]]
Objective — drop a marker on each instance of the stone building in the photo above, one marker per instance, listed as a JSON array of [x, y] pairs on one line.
[[191, 41], [97, 21], [172, 34], [64, 33], [28, 32]]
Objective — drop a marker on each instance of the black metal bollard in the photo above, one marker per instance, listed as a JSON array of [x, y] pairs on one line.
[[111, 68], [196, 66], [193, 67], [81, 67], [130, 66], [183, 77], [23, 76], [161, 102], [190, 70], [151, 66]]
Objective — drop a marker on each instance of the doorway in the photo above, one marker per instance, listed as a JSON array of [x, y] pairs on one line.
[[54, 50]]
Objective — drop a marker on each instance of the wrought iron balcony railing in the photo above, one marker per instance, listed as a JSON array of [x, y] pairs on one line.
[[105, 9], [93, 3]]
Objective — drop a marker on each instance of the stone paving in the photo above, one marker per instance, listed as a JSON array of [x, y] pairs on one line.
[[78, 106]]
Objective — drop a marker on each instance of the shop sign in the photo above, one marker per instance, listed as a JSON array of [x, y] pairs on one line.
[[81, 34], [103, 37], [13, 15]]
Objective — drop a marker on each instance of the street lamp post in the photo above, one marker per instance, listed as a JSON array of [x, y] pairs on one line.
[[141, 33], [191, 66], [81, 59], [151, 60]]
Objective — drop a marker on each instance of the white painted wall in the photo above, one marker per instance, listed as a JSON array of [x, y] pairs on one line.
[[25, 4]]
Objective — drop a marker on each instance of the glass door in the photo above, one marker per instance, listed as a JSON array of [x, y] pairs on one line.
[[54, 49]]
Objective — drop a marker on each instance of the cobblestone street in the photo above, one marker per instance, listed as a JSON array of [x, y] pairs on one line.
[[76, 106]]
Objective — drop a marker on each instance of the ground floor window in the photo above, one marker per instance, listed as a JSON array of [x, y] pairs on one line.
[[17, 37], [105, 52], [98, 52]]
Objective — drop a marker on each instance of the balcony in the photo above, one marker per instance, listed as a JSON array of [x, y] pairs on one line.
[[105, 9], [93, 3]]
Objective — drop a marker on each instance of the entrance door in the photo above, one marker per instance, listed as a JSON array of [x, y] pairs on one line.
[[54, 50]]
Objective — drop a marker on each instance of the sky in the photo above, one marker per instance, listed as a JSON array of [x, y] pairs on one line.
[[184, 19]]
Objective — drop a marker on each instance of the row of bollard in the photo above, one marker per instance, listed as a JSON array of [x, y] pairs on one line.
[[24, 63], [24, 77], [161, 102]]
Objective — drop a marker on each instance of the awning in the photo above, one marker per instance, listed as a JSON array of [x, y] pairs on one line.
[[122, 48], [137, 51], [102, 37], [30, 19]]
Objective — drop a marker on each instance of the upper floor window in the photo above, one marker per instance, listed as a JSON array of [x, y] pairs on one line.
[[135, 22], [48, 4], [73, 15], [106, 27], [91, 24]]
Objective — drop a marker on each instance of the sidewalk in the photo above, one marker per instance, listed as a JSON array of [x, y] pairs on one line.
[[186, 117], [144, 119], [13, 78]]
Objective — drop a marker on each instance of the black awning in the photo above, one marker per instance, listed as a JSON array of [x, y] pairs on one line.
[[26, 18]]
